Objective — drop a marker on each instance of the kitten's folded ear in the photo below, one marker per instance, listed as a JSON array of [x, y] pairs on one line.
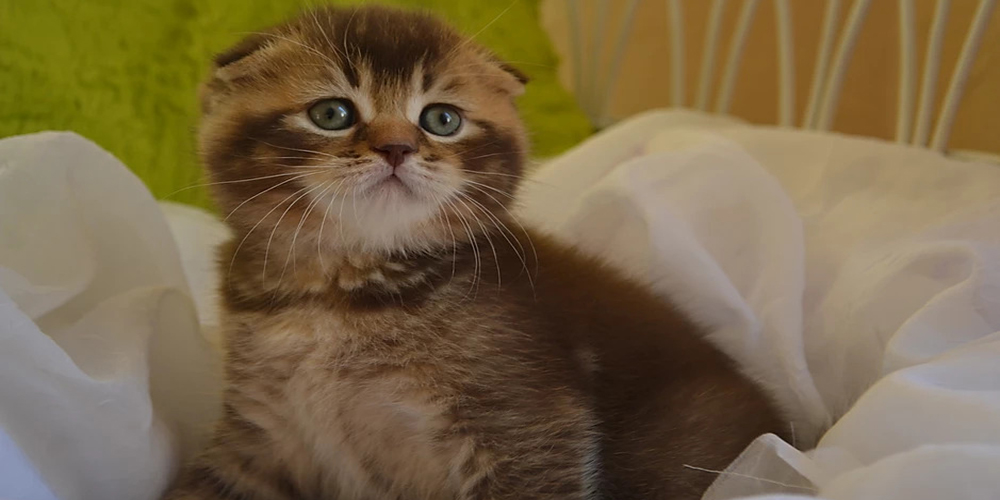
[[242, 59], [516, 73], [239, 61], [241, 50], [515, 78]]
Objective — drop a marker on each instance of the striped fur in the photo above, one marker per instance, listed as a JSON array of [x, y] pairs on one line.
[[409, 339]]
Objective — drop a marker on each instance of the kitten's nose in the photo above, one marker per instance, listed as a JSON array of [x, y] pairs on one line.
[[394, 153]]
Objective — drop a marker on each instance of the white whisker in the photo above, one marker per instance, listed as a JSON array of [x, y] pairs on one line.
[[322, 31], [252, 229], [491, 188], [248, 200], [496, 258], [296, 42], [311, 151], [267, 249], [475, 250], [322, 225], [524, 231], [504, 231], [231, 182]]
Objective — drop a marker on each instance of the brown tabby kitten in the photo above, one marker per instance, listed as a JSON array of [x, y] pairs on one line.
[[392, 331]]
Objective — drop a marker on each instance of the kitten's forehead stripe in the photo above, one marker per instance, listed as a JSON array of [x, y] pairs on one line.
[[376, 38], [428, 81], [351, 73]]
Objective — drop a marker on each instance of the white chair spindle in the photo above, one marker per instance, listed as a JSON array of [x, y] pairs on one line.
[[946, 118], [786, 64], [675, 20], [907, 71], [734, 56], [594, 67], [576, 46], [928, 83], [595, 82], [708, 54], [827, 37], [841, 60], [617, 55]]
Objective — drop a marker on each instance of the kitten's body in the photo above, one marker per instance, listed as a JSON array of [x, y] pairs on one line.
[[437, 356]]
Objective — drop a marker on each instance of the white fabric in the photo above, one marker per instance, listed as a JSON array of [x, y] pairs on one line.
[[96, 329], [832, 268]]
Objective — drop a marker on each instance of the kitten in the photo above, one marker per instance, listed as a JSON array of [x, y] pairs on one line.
[[392, 332]]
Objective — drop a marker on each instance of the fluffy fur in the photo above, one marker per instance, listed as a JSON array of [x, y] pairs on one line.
[[395, 333]]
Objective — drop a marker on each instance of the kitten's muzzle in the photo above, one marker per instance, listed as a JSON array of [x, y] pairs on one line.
[[394, 153]]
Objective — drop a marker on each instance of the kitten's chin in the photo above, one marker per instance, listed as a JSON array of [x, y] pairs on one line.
[[390, 215], [407, 183], [392, 210]]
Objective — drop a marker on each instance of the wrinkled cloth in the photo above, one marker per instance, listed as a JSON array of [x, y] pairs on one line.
[[101, 357], [856, 280]]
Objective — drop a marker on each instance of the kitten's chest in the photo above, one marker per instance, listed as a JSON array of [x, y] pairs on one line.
[[366, 398]]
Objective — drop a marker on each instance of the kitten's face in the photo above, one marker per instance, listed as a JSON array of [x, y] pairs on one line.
[[370, 129]]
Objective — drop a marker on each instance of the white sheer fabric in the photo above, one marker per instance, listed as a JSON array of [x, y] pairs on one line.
[[858, 280]]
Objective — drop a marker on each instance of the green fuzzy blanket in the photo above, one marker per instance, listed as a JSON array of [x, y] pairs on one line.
[[124, 73]]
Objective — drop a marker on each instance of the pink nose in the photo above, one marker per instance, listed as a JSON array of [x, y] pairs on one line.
[[395, 154]]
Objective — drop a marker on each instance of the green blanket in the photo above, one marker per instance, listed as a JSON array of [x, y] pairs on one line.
[[124, 73]]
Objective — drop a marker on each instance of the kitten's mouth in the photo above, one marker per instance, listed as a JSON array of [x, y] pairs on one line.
[[394, 181], [390, 183]]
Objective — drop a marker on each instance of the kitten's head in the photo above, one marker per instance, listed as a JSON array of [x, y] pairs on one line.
[[365, 129]]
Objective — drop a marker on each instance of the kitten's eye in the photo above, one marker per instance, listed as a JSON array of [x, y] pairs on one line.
[[332, 114], [440, 119]]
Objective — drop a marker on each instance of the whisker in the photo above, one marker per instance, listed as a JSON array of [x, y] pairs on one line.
[[465, 151], [317, 167], [524, 231], [252, 229], [454, 246], [491, 188], [747, 476], [515, 176], [267, 249], [347, 29], [481, 30], [504, 230], [300, 176], [231, 182], [291, 248], [354, 204], [309, 208], [487, 156], [519, 178], [296, 42], [322, 225], [322, 31], [311, 151], [474, 284], [268, 158], [340, 217], [489, 240]]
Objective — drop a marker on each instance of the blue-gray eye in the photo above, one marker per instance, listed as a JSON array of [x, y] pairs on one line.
[[440, 119], [332, 114]]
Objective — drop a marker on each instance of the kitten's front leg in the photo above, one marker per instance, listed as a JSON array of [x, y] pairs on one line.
[[550, 458], [226, 481], [238, 465]]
